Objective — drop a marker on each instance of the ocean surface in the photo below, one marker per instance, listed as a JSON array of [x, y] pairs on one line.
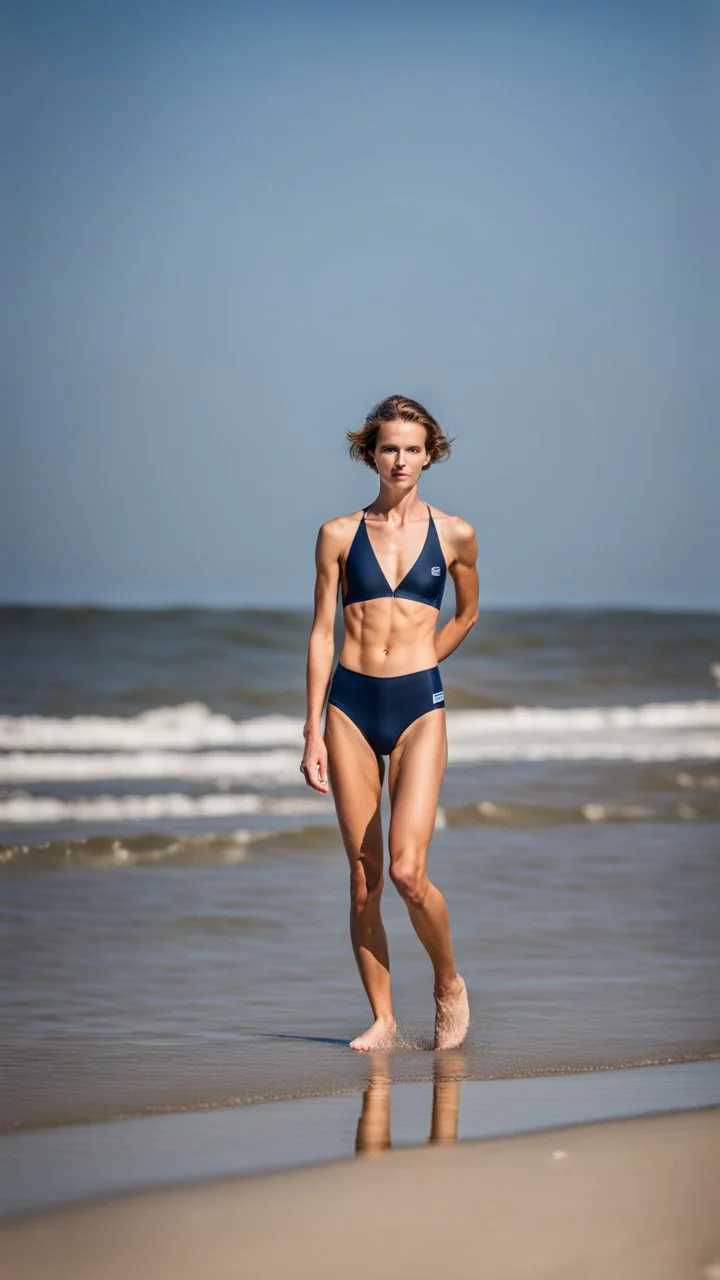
[[173, 899]]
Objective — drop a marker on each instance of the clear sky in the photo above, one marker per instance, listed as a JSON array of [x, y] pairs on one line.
[[232, 228]]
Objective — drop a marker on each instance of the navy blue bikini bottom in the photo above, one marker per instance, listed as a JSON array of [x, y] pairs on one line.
[[382, 707]]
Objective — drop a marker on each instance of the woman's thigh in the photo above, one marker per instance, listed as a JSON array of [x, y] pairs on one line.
[[356, 776], [415, 776]]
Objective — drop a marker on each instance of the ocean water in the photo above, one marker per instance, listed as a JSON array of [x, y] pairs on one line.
[[173, 899]]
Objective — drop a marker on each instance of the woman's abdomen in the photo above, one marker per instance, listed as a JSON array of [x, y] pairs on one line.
[[389, 637]]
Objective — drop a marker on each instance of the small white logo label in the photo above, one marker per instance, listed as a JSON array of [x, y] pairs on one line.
[[436, 571], [439, 697]]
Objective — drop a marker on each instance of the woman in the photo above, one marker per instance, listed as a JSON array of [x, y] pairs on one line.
[[386, 697]]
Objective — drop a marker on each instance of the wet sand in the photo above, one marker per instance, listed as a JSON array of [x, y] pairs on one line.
[[620, 1200]]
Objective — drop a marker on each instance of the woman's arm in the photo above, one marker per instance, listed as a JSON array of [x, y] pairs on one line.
[[321, 649], [463, 571]]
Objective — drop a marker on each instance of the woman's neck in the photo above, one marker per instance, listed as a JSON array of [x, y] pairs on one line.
[[406, 505]]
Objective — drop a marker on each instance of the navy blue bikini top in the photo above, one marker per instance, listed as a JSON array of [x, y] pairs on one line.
[[365, 580]]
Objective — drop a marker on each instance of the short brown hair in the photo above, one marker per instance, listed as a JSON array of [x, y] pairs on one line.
[[363, 441]]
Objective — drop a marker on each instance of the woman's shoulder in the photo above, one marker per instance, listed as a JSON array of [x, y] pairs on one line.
[[340, 524], [452, 527], [339, 528]]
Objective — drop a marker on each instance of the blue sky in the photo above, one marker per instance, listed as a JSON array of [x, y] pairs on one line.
[[234, 228]]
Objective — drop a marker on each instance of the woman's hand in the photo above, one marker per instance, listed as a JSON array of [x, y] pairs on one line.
[[314, 763]]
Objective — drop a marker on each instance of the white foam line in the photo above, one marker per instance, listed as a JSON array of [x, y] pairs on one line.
[[586, 720], [268, 767], [280, 768], [188, 727], [32, 809], [193, 726], [638, 747]]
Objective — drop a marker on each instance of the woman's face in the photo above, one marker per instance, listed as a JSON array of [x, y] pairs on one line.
[[400, 453]]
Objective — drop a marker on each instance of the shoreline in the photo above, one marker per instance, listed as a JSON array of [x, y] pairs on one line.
[[52, 1088], [623, 1199], [72, 1164]]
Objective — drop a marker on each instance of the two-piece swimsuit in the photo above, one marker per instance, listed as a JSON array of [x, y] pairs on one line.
[[382, 707]]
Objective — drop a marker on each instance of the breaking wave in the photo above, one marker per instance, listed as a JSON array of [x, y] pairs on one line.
[[193, 743], [236, 846]]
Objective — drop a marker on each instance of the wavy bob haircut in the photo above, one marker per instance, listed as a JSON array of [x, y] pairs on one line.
[[363, 441]]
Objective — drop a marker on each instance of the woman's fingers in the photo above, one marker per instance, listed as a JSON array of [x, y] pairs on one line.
[[316, 773], [314, 770]]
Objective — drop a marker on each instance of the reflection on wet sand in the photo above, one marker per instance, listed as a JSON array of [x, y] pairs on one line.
[[373, 1130]]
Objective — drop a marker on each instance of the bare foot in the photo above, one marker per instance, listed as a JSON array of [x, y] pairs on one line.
[[379, 1036], [452, 1015]]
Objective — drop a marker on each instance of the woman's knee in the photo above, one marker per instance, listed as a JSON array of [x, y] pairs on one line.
[[366, 885], [407, 873]]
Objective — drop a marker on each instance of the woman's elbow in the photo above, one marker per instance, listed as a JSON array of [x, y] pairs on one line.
[[322, 636]]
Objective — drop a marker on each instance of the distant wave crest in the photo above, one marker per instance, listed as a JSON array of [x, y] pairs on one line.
[[193, 743], [188, 727], [319, 831]]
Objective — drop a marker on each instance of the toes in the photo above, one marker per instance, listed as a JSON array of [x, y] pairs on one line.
[[374, 1038]]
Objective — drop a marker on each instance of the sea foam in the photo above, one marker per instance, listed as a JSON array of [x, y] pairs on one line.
[[27, 809], [172, 742]]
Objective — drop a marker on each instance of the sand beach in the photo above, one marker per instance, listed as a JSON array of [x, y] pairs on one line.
[[629, 1200]]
